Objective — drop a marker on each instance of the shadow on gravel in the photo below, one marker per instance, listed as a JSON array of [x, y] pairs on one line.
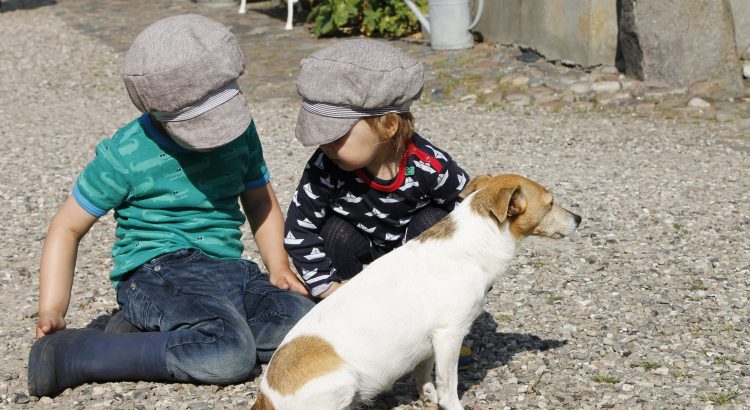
[[490, 350], [100, 322], [11, 5]]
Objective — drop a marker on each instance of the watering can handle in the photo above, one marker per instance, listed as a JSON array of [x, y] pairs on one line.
[[480, 8], [422, 19]]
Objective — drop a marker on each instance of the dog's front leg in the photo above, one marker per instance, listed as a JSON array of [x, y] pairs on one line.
[[447, 344], [423, 377]]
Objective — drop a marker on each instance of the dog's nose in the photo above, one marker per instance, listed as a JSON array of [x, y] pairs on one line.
[[577, 218]]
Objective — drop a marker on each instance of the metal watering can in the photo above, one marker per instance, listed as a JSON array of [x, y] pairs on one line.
[[450, 22]]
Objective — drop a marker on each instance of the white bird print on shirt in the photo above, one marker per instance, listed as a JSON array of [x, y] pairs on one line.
[[404, 221], [436, 153], [366, 229], [305, 223], [307, 274], [291, 240], [424, 167], [408, 183], [315, 254], [340, 210], [294, 198], [349, 197], [378, 213], [442, 179], [319, 161], [461, 182], [309, 192], [326, 182], [390, 198]]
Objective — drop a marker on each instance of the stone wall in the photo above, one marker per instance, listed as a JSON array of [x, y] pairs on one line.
[[579, 31], [665, 43], [741, 15]]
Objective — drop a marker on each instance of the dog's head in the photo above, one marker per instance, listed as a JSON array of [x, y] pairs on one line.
[[528, 206]]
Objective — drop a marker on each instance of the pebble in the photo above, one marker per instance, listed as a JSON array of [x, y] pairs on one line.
[[696, 102]]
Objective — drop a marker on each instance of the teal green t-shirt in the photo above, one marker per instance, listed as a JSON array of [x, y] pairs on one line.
[[168, 198]]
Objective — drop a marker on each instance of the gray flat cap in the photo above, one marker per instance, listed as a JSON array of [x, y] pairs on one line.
[[183, 70], [353, 79]]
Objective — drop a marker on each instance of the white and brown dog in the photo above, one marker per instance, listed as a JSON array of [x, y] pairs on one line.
[[410, 309]]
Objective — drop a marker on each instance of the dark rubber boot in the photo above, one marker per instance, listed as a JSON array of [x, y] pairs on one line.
[[71, 357], [118, 324]]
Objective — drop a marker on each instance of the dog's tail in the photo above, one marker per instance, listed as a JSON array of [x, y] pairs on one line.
[[262, 403]]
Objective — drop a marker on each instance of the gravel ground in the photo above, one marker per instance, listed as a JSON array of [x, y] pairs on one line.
[[646, 307]]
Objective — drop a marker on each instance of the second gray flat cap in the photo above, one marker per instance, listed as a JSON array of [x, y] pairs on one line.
[[360, 74]]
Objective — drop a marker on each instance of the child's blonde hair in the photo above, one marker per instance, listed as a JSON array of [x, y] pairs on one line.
[[382, 123]]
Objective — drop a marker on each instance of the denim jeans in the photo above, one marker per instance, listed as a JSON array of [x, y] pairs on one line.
[[222, 315]]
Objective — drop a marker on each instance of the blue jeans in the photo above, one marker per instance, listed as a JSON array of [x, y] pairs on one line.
[[222, 315]]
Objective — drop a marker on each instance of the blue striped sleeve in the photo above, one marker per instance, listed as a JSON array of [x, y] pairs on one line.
[[259, 182], [86, 204]]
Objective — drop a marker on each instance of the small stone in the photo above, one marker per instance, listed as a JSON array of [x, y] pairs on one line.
[[518, 100], [746, 69], [46, 401], [20, 398], [580, 88], [606, 86], [697, 102]]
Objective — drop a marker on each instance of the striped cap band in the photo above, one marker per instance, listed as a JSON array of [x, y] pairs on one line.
[[203, 106], [340, 111]]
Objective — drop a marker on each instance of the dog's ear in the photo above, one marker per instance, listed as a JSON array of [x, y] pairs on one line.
[[509, 203], [474, 184]]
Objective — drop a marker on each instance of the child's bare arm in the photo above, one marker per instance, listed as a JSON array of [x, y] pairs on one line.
[[267, 223], [68, 227]]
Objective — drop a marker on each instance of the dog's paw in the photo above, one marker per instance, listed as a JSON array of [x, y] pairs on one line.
[[428, 394]]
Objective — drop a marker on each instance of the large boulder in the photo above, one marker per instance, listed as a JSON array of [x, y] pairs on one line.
[[678, 43], [741, 14]]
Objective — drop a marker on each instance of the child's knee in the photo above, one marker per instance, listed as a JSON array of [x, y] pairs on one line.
[[221, 359], [297, 306]]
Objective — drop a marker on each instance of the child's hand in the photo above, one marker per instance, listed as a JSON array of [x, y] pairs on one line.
[[287, 280], [48, 323], [330, 290]]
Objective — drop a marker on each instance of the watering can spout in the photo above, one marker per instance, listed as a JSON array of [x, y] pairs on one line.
[[422, 19]]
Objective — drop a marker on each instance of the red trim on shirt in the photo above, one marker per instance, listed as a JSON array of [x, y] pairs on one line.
[[411, 149]]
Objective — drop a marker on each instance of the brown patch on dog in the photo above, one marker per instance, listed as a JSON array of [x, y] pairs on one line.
[[262, 403], [525, 202], [303, 359], [443, 229]]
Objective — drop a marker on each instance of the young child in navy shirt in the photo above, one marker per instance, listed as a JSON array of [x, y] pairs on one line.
[[373, 183]]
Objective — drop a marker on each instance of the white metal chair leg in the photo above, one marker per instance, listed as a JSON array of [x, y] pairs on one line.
[[242, 6], [289, 13]]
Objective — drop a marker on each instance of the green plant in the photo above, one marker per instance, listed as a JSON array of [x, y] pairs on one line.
[[719, 398], [682, 375], [605, 378], [384, 18], [650, 365]]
